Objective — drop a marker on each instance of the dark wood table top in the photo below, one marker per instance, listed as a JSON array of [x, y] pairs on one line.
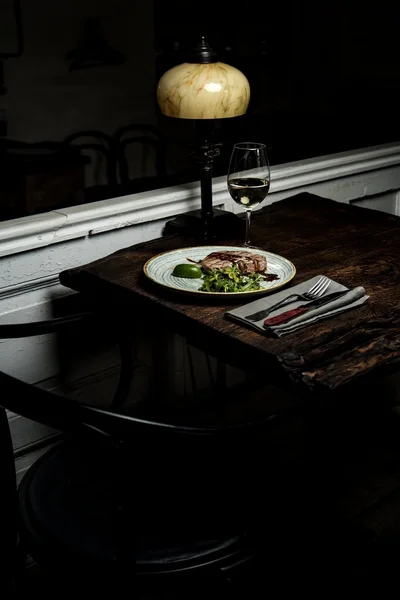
[[352, 245]]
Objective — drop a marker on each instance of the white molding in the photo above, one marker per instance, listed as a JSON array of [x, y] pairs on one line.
[[19, 235], [315, 170], [26, 287], [397, 204], [29, 233]]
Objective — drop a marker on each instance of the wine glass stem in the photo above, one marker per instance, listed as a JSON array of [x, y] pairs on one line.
[[248, 222]]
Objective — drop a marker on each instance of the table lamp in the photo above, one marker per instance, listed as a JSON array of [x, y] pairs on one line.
[[204, 89]]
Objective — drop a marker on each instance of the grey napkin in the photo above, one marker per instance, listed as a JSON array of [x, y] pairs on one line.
[[354, 298]]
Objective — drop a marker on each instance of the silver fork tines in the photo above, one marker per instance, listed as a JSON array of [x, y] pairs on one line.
[[318, 288]]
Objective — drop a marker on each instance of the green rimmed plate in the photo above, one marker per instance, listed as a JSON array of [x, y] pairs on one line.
[[159, 270]]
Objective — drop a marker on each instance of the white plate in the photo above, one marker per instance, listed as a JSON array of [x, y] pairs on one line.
[[159, 270]]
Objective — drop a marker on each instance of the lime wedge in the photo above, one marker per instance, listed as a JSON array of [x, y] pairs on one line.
[[190, 271]]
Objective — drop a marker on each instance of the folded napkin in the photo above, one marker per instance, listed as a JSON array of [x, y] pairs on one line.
[[355, 297]]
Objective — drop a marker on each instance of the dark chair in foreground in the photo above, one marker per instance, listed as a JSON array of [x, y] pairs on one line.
[[128, 501], [134, 503], [8, 524]]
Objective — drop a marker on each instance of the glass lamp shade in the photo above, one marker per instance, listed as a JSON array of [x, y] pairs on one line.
[[203, 91]]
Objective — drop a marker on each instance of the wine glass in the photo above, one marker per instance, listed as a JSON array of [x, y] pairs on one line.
[[248, 178]]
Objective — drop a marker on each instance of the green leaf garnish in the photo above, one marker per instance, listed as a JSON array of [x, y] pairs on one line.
[[230, 279]]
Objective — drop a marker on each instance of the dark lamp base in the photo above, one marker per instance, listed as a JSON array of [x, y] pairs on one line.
[[223, 225]]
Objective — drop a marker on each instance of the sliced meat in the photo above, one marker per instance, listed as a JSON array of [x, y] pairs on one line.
[[248, 262]]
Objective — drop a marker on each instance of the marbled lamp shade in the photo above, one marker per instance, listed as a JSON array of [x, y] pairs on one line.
[[203, 91]]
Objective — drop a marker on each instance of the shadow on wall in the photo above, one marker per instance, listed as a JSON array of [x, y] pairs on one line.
[[80, 106], [47, 100]]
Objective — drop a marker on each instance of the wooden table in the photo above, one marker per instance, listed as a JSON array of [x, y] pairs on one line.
[[352, 245]]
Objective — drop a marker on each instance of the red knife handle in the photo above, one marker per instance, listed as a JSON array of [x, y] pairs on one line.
[[285, 316]]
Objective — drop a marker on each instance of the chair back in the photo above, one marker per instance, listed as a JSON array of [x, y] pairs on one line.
[[207, 476], [101, 173], [141, 158], [197, 475]]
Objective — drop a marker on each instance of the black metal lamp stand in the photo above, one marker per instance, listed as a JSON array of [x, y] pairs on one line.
[[208, 223]]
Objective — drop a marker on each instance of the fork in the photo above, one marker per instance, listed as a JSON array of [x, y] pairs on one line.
[[316, 291]]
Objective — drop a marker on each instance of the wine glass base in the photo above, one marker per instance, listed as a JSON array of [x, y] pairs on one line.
[[251, 246]]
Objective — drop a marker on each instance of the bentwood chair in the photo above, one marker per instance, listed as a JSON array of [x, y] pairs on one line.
[[101, 172], [141, 159], [132, 502]]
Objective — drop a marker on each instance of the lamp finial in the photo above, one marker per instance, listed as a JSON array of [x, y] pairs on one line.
[[202, 53]]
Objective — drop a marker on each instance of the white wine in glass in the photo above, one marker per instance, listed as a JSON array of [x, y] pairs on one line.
[[248, 178]]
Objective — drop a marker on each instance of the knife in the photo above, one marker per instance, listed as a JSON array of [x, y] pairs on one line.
[[288, 315]]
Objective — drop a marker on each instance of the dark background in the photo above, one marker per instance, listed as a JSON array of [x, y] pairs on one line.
[[324, 78]]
